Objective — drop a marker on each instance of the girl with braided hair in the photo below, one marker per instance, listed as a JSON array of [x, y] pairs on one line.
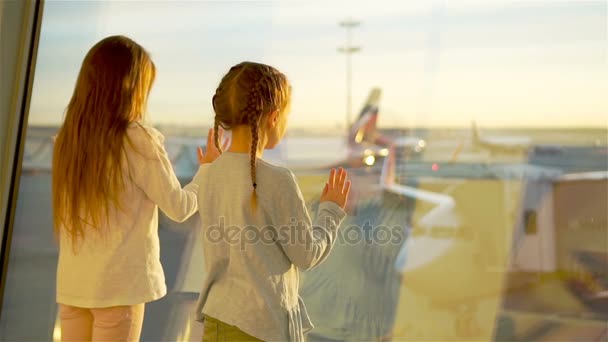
[[257, 232]]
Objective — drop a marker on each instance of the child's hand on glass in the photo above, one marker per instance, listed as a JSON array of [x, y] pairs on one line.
[[205, 157], [337, 188]]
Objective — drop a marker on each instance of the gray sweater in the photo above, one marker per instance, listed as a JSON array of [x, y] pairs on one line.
[[252, 258]]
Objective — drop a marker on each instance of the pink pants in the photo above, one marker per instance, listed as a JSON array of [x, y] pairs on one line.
[[117, 323]]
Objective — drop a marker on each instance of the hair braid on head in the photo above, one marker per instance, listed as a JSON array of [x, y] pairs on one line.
[[254, 113], [216, 121], [223, 103], [216, 126]]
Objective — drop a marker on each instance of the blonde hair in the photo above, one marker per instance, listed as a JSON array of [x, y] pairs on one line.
[[111, 92], [246, 94]]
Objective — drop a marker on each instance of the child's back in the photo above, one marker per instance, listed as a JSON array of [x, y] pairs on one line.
[[256, 229], [110, 175], [251, 279], [125, 247]]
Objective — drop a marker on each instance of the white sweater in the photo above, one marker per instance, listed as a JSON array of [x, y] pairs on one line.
[[122, 265], [252, 259]]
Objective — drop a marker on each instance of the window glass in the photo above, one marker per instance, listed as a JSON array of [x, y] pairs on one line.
[[474, 133]]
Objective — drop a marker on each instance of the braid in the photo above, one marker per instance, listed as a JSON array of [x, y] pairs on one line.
[[216, 125], [245, 95], [254, 148], [253, 114]]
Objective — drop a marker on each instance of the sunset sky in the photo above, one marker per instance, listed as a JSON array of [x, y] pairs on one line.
[[439, 63]]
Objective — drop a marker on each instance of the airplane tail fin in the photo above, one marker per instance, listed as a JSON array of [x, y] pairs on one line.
[[475, 132], [364, 128]]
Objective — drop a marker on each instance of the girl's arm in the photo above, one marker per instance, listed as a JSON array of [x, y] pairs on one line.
[[152, 171], [307, 243]]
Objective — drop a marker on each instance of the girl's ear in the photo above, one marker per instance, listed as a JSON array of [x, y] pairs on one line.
[[273, 118]]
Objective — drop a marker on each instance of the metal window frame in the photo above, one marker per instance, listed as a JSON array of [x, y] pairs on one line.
[[26, 51]]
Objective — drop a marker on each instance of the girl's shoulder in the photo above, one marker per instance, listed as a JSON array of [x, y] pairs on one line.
[[278, 174], [279, 185], [145, 132], [144, 139]]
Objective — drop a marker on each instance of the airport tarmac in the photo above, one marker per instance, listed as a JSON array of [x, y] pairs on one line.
[[355, 295]]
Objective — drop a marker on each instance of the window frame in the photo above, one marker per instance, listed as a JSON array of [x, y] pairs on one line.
[[24, 34]]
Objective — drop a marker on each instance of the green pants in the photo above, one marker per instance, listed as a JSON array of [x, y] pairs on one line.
[[218, 331]]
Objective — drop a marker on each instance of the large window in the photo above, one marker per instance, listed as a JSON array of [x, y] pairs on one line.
[[474, 131]]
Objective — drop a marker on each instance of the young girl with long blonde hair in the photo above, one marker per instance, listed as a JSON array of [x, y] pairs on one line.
[[110, 174], [257, 230]]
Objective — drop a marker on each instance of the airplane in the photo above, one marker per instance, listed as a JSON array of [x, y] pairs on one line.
[[500, 144], [520, 146], [367, 144]]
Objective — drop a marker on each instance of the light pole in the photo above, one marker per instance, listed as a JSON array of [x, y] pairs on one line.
[[348, 50]]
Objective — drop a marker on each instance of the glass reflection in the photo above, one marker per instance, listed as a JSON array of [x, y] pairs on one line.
[[477, 214]]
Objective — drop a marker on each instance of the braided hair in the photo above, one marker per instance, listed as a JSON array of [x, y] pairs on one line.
[[247, 93]]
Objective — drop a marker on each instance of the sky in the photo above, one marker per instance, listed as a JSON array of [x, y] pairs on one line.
[[442, 63]]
